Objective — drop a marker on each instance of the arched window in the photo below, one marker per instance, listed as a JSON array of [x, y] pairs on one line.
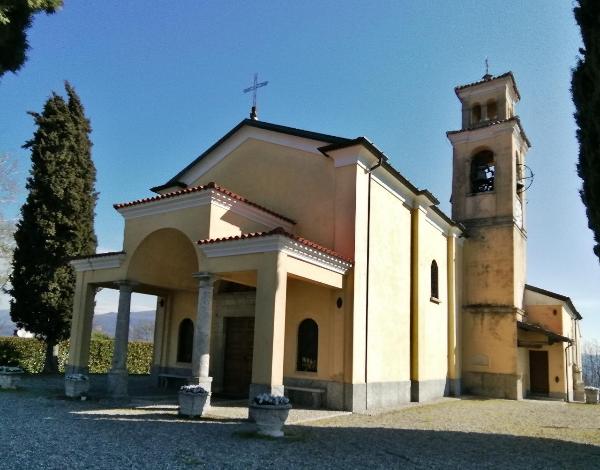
[[185, 341], [492, 110], [435, 290], [483, 171], [476, 113], [308, 346]]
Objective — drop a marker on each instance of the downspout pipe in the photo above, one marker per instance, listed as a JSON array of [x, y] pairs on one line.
[[567, 372], [369, 172]]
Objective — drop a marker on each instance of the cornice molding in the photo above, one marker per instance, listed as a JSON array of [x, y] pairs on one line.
[[202, 198], [271, 243], [94, 263]]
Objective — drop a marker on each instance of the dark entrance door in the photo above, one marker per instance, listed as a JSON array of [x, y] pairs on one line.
[[538, 372], [239, 341]]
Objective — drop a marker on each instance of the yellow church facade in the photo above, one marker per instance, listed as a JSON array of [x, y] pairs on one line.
[[302, 263]]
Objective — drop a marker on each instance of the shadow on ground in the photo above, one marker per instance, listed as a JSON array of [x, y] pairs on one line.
[[349, 447]]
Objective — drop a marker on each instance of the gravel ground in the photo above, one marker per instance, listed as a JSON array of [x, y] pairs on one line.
[[40, 430]]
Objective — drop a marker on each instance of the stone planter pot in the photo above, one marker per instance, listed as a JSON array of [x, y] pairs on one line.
[[76, 388], [592, 395], [192, 404], [269, 419], [9, 381]]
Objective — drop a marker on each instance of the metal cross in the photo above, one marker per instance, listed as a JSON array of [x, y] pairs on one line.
[[487, 67], [255, 86]]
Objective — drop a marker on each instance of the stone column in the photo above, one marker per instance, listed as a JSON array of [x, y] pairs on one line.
[[201, 349], [269, 327], [117, 377]]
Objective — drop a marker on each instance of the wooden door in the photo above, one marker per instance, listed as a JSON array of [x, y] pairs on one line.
[[239, 342], [538, 372]]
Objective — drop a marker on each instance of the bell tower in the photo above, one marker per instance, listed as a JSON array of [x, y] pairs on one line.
[[488, 198]]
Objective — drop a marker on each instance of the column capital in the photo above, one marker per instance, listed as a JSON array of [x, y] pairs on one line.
[[205, 279], [126, 286]]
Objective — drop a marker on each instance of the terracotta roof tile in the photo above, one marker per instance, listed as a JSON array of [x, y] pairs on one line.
[[526, 326], [489, 78], [277, 231], [196, 189]]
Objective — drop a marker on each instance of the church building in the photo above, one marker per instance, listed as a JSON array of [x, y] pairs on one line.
[[300, 263]]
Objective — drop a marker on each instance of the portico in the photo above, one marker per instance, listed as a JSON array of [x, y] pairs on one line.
[[193, 285]]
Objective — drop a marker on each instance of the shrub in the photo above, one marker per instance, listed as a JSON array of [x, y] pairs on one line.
[[29, 354]]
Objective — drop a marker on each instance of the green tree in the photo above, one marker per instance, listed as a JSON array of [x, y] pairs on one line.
[[8, 170], [15, 19], [57, 222], [585, 86]]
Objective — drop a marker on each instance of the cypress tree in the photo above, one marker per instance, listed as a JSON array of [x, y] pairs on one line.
[[57, 222], [585, 87], [15, 19]]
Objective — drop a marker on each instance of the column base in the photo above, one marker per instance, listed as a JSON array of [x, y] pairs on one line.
[[117, 384], [69, 369]]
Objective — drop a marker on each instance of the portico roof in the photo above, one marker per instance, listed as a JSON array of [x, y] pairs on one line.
[[272, 240]]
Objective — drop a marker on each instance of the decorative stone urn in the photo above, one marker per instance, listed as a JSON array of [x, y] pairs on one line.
[[269, 412], [76, 385], [192, 400], [592, 395], [10, 377]]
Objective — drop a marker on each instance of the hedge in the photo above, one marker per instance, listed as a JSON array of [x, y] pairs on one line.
[[29, 354]]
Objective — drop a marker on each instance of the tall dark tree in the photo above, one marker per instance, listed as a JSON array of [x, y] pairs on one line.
[[585, 86], [57, 222], [15, 19]]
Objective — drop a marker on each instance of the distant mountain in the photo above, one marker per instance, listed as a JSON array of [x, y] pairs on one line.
[[7, 327], [141, 324]]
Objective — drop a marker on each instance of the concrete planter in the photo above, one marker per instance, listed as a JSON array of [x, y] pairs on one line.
[[592, 395], [269, 419], [192, 404], [76, 388], [9, 381]]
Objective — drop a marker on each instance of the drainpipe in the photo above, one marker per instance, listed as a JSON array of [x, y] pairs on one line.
[[369, 171], [567, 371]]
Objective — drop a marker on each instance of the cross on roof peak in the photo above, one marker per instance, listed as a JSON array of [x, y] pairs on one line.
[[255, 86]]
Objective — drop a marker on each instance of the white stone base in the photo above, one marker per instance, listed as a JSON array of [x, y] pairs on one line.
[[9, 381], [592, 395], [192, 405], [269, 419], [76, 388]]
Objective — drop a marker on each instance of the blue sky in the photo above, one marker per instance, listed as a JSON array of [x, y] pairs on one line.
[[161, 81]]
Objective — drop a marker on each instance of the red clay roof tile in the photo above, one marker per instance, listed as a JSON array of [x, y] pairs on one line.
[[277, 231], [195, 189]]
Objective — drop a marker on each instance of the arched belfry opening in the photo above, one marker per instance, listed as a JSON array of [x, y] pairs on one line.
[[483, 172], [476, 113], [492, 110]]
